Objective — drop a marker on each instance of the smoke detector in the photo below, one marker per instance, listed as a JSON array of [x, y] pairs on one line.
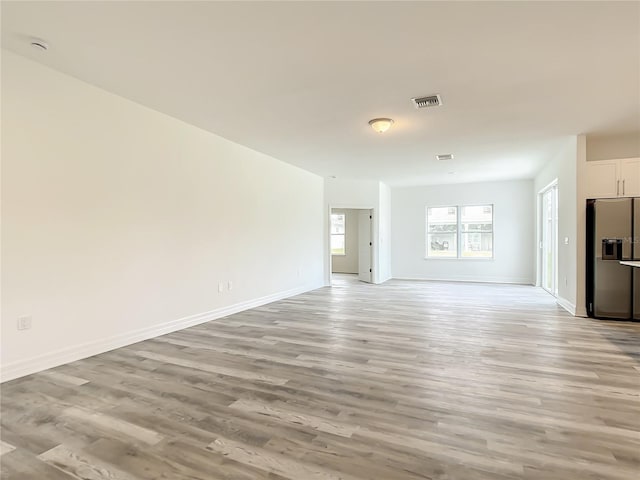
[[446, 156], [428, 101]]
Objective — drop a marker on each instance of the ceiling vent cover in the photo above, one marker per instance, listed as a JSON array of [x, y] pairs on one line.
[[429, 101], [446, 156]]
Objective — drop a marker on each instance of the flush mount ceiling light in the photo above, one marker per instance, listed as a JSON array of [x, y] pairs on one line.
[[381, 125], [446, 156]]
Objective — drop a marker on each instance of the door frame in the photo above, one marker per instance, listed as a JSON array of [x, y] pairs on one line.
[[374, 237], [540, 238], [365, 252]]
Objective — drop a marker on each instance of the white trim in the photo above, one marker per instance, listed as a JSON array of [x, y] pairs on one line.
[[465, 259], [21, 368], [567, 305], [553, 183], [384, 279], [374, 239], [459, 231], [539, 239], [581, 312], [514, 281]]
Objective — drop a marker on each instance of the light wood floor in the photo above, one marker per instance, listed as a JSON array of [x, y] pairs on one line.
[[406, 380]]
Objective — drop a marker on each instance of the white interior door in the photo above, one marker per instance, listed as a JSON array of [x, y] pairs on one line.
[[365, 273], [549, 240]]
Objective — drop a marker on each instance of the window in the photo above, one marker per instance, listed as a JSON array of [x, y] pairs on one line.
[[477, 231], [337, 234], [442, 232], [460, 232]]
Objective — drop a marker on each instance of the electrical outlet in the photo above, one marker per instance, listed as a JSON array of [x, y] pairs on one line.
[[24, 323], [230, 285], [220, 287]]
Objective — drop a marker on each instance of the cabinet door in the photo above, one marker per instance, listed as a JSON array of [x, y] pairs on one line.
[[602, 179], [630, 177]]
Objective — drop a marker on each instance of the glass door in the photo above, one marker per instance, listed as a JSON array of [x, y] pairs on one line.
[[549, 240]]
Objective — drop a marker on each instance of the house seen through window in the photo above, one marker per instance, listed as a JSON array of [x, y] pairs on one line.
[[460, 231]]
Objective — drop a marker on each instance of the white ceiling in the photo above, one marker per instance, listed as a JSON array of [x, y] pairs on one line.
[[300, 80]]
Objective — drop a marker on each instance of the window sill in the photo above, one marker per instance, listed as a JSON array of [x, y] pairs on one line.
[[481, 259]]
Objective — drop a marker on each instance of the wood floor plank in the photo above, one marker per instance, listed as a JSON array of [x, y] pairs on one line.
[[82, 466], [296, 418], [63, 377], [23, 465], [275, 463], [214, 369], [6, 448], [112, 423]]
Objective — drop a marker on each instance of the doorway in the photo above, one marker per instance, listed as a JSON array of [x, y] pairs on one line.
[[351, 245], [549, 238]]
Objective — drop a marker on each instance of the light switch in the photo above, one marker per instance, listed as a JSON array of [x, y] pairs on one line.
[[566, 240]]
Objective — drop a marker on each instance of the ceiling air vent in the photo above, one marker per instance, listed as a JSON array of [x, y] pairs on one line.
[[446, 156], [430, 101]]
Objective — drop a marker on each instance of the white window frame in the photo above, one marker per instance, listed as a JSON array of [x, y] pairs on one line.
[[459, 232], [343, 235]]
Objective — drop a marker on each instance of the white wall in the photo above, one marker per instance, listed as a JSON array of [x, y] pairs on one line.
[[344, 193], [563, 167], [625, 145], [119, 222], [384, 233], [581, 225], [347, 263], [513, 232]]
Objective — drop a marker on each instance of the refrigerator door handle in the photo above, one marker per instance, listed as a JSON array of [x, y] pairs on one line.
[[623, 187], [617, 188]]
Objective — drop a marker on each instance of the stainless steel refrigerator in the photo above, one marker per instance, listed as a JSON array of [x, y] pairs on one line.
[[613, 290]]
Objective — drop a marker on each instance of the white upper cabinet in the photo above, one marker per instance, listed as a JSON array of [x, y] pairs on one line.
[[613, 178], [602, 179], [630, 177]]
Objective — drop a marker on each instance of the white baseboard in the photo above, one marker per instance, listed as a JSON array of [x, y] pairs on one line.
[[581, 312], [384, 279], [567, 305], [21, 368], [511, 281]]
